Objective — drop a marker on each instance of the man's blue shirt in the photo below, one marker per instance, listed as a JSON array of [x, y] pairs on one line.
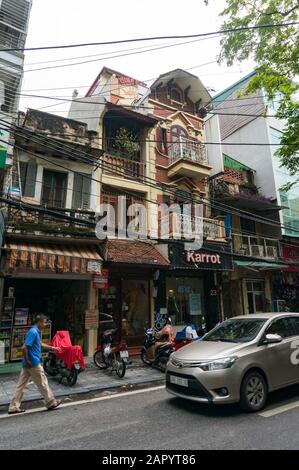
[[33, 344]]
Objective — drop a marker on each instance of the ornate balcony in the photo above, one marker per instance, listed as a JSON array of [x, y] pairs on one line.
[[183, 226], [188, 158]]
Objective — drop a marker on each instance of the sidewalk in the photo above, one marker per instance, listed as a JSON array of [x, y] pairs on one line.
[[90, 380]]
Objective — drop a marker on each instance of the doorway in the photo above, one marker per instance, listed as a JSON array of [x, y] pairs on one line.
[[256, 300]]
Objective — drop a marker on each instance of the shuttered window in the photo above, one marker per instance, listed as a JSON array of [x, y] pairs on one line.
[[54, 189], [28, 171], [81, 191]]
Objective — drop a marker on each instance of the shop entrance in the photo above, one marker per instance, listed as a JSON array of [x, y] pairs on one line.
[[125, 305], [63, 301], [256, 296], [185, 300]]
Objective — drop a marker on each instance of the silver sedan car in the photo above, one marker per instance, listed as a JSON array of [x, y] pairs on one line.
[[240, 360]]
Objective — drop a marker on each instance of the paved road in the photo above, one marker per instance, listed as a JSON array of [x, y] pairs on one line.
[[152, 419]]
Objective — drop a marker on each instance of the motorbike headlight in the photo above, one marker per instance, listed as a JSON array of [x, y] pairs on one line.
[[217, 364]]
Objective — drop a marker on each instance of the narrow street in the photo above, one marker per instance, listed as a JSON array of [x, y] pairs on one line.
[[152, 419]]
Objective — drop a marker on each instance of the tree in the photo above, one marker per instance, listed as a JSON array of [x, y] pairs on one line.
[[276, 53]]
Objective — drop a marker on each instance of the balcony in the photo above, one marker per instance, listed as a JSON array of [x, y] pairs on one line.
[[182, 226], [66, 222], [188, 158], [256, 246], [118, 166]]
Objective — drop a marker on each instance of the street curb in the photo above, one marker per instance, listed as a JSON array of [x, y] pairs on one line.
[[91, 390]]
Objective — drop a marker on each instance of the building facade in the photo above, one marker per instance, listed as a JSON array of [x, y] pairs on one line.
[[273, 231], [14, 19]]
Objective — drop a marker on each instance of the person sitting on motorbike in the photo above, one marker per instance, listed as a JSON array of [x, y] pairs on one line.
[[165, 336]]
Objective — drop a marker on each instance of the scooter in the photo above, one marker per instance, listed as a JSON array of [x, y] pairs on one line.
[[56, 367], [68, 363], [163, 352], [111, 353]]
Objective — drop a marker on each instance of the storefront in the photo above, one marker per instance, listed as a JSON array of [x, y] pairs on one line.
[[52, 279], [193, 284], [250, 288], [127, 301], [286, 289]]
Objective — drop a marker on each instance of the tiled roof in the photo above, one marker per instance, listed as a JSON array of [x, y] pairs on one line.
[[134, 252]]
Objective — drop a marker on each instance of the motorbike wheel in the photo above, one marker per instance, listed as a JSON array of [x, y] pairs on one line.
[[99, 360], [48, 368], [72, 377], [120, 366], [162, 363], [144, 358]]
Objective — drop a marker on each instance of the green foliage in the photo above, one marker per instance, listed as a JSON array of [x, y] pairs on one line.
[[276, 51], [126, 143]]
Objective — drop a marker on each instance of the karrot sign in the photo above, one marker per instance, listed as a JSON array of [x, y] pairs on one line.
[[202, 258], [211, 257], [101, 281]]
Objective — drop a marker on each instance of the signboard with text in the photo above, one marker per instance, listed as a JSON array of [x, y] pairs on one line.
[[101, 281]]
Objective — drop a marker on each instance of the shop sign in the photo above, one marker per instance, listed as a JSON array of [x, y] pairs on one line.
[[100, 281], [210, 256], [291, 252], [202, 258], [91, 319], [94, 266]]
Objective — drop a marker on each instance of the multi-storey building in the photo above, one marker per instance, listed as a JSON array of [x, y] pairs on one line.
[[14, 19], [272, 233]]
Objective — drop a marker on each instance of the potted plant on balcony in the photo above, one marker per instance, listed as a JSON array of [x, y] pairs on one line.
[[126, 144]]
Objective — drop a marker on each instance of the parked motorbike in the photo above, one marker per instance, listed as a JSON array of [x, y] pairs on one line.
[[163, 352], [68, 363], [111, 353]]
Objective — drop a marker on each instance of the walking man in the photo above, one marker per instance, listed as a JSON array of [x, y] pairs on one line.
[[33, 369]]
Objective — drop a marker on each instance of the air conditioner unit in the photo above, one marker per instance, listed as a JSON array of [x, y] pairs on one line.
[[271, 252], [257, 250]]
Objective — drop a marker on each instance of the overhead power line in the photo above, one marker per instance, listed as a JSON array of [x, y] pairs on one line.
[[153, 183], [154, 38]]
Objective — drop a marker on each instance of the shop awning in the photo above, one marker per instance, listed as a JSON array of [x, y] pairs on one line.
[[55, 258], [135, 252], [260, 265]]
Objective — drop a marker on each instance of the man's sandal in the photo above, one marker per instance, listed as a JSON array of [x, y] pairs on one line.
[[58, 402], [21, 410]]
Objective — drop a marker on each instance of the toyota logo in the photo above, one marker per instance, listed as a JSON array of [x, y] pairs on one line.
[[179, 365]]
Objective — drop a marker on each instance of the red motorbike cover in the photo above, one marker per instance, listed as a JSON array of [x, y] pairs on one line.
[[69, 354]]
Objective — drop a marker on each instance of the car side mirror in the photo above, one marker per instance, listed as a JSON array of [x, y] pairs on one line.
[[272, 338]]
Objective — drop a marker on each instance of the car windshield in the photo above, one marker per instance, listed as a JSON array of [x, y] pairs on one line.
[[236, 330]]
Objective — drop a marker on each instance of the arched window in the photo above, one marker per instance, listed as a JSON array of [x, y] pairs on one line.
[[162, 140], [178, 134], [176, 95]]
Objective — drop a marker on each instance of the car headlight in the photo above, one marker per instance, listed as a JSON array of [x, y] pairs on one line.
[[217, 364]]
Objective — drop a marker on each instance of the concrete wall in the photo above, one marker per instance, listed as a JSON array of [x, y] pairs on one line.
[[259, 158], [214, 152]]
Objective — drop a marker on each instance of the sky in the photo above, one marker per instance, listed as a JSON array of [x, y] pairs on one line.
[[59, 22]]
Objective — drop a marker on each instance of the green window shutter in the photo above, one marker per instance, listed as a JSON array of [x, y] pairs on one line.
[[30, 179], [77, 191], [81, 191], [23, 171], [86, 188], [28, 171]]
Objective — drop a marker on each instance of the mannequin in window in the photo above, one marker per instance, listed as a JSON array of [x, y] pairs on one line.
[[172, 308]]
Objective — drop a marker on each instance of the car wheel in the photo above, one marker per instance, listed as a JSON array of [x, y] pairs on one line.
[[254, 392]]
